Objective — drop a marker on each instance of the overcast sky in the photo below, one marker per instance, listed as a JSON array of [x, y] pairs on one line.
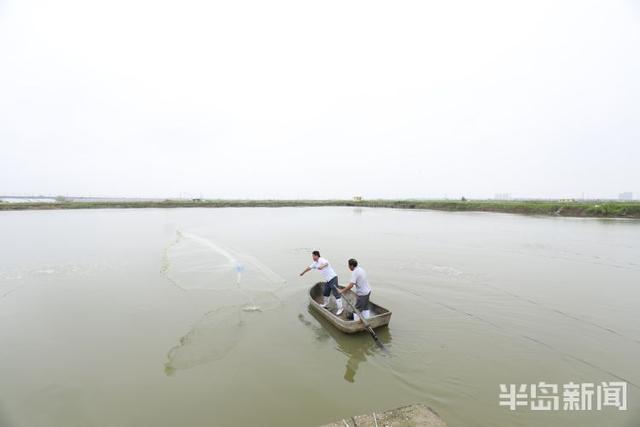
[[321, 99]]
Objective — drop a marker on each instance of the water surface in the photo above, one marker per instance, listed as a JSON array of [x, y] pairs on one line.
[[198, 316]]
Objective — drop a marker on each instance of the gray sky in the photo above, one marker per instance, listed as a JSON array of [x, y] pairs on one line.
[[320, 99]]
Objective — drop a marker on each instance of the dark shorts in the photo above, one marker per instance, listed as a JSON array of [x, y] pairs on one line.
[[362, 302], [332, 286]]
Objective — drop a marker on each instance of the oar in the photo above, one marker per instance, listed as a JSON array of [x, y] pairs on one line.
[[366, 324]]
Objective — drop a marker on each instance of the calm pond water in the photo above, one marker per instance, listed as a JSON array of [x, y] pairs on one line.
[[197, 317]]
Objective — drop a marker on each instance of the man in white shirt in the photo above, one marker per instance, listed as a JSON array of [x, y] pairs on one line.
[[330, 276], [363, 290]]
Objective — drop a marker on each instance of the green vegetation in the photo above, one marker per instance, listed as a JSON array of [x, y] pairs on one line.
[[600, 209]]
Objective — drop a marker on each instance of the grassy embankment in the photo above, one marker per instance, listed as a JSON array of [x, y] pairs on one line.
[[599, 209]]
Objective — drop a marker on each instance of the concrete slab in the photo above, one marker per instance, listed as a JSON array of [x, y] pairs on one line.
[[418, 415]]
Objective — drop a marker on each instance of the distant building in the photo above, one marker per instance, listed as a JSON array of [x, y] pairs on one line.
[[503, 196], [357, 198], [626, 196]]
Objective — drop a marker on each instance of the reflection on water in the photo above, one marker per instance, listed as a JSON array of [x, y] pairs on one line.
[[351, 345], [218, 331], [210, 339]]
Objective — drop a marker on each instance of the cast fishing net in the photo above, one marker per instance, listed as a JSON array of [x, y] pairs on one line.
[[242, 283]]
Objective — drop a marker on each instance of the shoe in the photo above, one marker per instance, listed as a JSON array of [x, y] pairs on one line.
[[339, 312], [325, 303]]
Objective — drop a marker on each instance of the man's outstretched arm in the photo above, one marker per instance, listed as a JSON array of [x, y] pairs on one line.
[[305, 270]]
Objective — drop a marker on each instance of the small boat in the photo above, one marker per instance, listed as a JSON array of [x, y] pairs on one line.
[[380, 316]]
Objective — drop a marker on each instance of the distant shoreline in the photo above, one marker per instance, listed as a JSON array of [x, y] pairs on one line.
[[592, 209]]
